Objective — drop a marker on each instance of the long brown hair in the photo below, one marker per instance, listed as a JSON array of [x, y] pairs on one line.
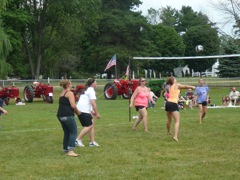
[[89, 83], [170, 80]]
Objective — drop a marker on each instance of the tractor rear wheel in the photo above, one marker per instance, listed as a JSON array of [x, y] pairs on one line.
[[110, 91], [28, 93], [163, 93], [158, 93]]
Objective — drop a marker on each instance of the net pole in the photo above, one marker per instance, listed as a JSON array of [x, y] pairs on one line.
[[129, 91]]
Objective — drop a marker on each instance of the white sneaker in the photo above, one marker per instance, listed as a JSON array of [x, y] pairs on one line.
[[92, 144], [79, 143]]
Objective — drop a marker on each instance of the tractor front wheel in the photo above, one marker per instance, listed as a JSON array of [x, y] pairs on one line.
[[28, 93], [110, 91], [125, 96], [6, 101], [50, 99]]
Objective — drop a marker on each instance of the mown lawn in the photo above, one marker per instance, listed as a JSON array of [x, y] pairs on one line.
[[31, 144]]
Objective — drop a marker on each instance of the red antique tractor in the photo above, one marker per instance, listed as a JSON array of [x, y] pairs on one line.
[[77, 91], [120, 87], [7, 93], [38, 90]]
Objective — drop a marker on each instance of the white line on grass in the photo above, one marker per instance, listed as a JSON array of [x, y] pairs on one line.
[[49, 129], [44, 129]]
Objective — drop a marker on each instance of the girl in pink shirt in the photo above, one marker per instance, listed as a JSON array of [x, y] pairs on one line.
[[141, 96]]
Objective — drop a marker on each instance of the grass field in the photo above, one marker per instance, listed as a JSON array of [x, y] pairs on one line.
[[31, 144]]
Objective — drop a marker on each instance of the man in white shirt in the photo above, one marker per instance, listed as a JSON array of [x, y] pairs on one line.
[[234, 96]]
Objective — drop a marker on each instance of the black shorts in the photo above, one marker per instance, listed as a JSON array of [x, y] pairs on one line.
[[203, 103], [171, 107], [85, 119], [139, 107]]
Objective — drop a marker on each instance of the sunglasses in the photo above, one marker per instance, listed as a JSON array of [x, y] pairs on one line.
[[143, 80]]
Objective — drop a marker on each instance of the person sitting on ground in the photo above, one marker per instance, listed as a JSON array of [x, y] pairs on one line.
[[181, 102], [233, 95], [238, 100], [154, 98], [209, 100], [225, 101], [190, 96]]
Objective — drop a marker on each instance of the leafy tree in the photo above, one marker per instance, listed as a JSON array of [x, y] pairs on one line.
[[187, 18], [230, 67], [166, 43], [153, 16], [166, 16], [196, 30], [207, 37], [14, 21], [45, 29], [119, 33], [74, 34], [5, 45], [169, 16]]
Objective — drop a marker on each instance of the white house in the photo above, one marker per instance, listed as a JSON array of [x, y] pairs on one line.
[[212, 73], [179, 70]]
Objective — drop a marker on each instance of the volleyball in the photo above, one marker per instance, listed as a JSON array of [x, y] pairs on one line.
[[199, 48]]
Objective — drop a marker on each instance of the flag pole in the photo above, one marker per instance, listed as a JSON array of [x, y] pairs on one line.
[[129, 91], [116, 68]]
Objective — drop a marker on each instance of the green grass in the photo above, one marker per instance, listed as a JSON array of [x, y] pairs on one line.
[[31, 144]]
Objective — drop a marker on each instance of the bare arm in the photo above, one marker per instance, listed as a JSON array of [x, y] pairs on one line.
[[207, 97], [154, 95], [71, 98], [95, 110], [133, 96], [3, 110], [180, 86], [151, 99]]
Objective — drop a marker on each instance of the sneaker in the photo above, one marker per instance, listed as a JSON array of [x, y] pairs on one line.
[[79, 143], [92, 144]]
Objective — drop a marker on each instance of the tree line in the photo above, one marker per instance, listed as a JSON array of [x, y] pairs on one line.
[[77, 38]]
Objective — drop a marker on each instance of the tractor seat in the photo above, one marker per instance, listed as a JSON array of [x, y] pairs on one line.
[[36, 83]]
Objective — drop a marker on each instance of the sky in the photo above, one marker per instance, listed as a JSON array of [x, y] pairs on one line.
[[204, 6]]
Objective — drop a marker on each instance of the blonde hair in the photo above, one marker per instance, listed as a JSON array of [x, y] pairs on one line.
[[64, 83]]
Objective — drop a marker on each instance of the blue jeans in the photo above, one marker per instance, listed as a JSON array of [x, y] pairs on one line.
[[150, 104], [69, 127]]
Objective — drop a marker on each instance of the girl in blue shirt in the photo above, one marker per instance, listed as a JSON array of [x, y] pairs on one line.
[[202, 99]]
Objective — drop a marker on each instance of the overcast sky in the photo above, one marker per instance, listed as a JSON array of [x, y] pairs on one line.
[[197, 5]]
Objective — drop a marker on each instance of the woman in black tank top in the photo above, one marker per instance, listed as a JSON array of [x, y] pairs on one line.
[[66, 109]]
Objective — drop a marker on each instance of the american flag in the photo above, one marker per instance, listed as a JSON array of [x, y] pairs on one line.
[[112, 62]]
